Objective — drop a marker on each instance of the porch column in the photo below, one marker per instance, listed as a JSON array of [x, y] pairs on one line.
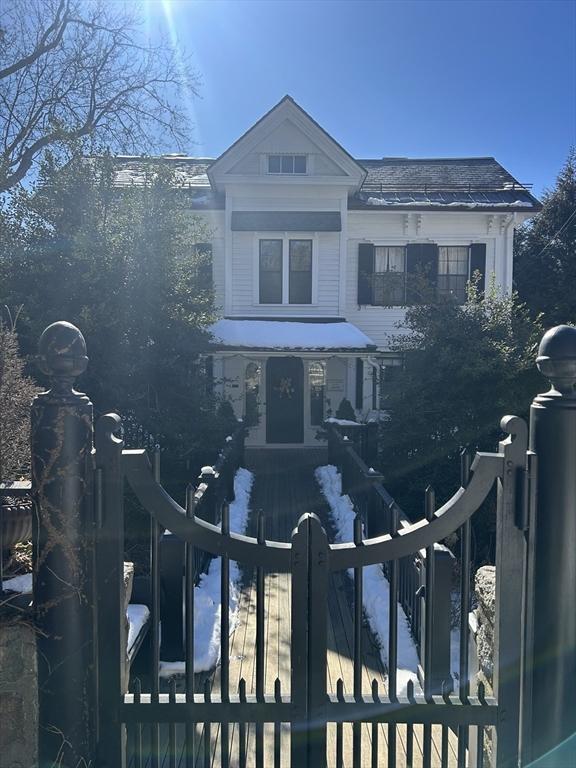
[[550, 690]]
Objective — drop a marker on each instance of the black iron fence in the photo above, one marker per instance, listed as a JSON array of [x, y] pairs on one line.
[[213, 492], [350, 449]]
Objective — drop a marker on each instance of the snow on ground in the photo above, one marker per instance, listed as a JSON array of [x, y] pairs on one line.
[[22, 584], [276, 334], [343, 422], [207, 593], [376, 590], [137, 616]]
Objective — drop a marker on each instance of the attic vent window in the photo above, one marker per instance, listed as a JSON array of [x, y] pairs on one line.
[[287, 164]]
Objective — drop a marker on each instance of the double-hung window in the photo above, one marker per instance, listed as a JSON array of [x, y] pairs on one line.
[[389, 276], [453, 271], [300, 272], [285, 271], [270, 271]]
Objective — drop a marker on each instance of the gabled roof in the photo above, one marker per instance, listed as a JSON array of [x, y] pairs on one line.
[[288, 107]]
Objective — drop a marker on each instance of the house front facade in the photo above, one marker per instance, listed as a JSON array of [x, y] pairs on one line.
[[317, 254]]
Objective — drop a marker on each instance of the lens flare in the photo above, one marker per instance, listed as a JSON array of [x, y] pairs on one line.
[[161, 22]]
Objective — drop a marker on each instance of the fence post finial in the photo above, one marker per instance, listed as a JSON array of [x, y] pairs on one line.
[[61, 461], [62, 357], [557, 359], [551, 587]]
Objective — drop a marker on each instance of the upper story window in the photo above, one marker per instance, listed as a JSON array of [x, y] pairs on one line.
[[285, 271], [290, 164], [271, 271], [453, 271], [300, 277], [391, 276]]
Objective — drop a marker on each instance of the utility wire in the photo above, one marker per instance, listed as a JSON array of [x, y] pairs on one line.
[[554, 236]]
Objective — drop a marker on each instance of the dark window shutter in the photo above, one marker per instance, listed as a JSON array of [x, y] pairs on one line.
[[478, 264], [365, 273], [204, 265], [422, 271], [359, 383]]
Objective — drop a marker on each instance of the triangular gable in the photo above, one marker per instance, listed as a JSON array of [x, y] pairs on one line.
[[286, 128]]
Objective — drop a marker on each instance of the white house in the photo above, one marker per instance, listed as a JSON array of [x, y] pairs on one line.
[[316, 254]]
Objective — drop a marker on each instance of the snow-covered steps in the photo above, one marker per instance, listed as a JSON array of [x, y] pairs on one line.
[[376, 590], [207, 604]]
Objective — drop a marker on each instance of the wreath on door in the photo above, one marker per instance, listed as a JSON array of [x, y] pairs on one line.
[[285, 388]]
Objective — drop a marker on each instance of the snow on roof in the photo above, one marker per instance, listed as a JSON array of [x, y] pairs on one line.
[[463, 203], [277, 334]]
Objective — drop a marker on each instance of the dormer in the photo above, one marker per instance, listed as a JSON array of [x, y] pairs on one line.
[[286, 147]]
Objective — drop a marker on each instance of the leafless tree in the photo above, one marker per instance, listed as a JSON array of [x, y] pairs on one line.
[[71, 69]]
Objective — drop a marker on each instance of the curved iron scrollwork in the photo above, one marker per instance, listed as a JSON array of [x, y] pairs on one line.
[[244, 549]]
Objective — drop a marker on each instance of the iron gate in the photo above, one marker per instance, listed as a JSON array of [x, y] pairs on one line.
[[308, 558], [84, 712]]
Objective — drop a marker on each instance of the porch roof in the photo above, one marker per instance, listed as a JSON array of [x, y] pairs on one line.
[[290, 334]]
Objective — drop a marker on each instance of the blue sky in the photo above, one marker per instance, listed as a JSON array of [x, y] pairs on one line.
[[416, 79]]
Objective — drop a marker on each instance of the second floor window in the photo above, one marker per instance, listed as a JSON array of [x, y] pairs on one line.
[[389, 275], [270, 271], [453, 271], [394, 276], [294, 164], [285, 271], [300, 280]]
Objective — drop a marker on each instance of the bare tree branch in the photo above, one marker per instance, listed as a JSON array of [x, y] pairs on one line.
[[45, 44], [73, 70]]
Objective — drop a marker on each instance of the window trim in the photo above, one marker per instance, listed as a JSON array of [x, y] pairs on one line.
[[285, 237]]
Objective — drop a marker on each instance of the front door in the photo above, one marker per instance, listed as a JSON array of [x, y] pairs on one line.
[[284, 400]]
